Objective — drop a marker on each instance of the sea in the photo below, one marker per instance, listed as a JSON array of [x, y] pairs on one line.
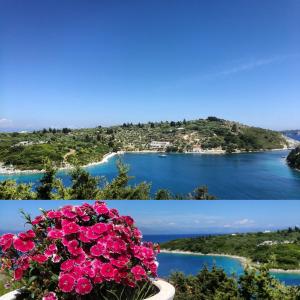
[[191, 264], [259, 175]]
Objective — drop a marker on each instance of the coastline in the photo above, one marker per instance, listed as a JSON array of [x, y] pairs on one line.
[[243, 260], [209, 151], [12, 171], [107, 156]]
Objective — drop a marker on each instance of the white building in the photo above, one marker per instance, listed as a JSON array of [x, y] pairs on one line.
[[159, 145]]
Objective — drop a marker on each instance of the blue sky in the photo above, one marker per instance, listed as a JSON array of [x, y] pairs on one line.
[[167, 217], [83, 63]]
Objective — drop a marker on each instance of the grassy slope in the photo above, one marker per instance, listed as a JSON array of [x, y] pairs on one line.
[[286, 256], [91, 144]]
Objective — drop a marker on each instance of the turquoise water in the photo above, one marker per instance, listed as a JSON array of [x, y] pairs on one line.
[[262, 175], [192, 264]]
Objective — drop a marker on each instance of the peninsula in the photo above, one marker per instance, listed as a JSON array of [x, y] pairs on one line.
[[281, 248], [65, 147]]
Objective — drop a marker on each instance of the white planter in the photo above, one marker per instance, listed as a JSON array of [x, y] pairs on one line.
[[10, 296], [166, 292]]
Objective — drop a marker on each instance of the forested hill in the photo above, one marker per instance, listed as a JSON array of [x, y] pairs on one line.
[[65, 146], [282, 246], [293, 158]]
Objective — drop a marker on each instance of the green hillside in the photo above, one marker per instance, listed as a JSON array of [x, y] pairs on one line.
[[282, 247], [64, 147]]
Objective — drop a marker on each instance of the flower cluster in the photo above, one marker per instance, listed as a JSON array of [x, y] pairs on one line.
[[76, 249]]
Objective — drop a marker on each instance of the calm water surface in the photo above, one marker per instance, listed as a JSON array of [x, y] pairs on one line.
[[262, 175], [192, 264]]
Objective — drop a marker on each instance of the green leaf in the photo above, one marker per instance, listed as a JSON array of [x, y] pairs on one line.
[[31, 279], [54, 277]]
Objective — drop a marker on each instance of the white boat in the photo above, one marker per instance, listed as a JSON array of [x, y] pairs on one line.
[[162, 155]]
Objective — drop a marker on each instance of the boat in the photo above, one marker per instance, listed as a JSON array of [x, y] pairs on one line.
[[162, 155]]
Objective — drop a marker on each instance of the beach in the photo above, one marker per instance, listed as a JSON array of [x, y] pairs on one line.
[[11, 170], [244, 261]]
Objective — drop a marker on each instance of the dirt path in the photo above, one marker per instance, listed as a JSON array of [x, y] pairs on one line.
[[71, 152]]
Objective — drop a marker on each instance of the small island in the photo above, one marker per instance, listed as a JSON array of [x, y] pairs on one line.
[[23, 151], [281, 248]]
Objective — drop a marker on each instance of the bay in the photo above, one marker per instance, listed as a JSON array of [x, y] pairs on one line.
[[191, 264], [260, 175]]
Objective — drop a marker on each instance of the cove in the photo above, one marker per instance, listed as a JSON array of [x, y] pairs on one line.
[[261, 175], [191, 264]]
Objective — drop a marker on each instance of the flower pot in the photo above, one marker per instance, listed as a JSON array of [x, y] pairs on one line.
[[166, 292], [10, 296]]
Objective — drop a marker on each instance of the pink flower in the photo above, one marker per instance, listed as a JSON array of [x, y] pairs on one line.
[[82, 235], [54, 214], [67, 265], [89, 271], [38, 220], [118, 246], [91, 234], [55, 234], [84, 245], [83, 286], [153, 268], [18, 274], [120, 262], [101, 209], [98, 278], [77, 272], [97, 250], [70, 228], [73, 248], [51, 250], [79, 259], [99, 228], [107, 271], [128, 220], [23, 262], [23, 245], [138, 272], [40, 258], [69, 211], [56, 258], [27, 235], [85, 218], [6, 241], [66, 283], [50, 296]]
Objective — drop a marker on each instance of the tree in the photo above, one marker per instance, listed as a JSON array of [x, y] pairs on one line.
[[48, 183], [254, 284], [201, 193], [10, 190], [119, 188], [163, 194], [84, 186]]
